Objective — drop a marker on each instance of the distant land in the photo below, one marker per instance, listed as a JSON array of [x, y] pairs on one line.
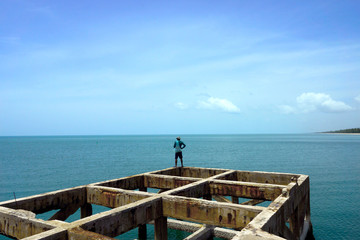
[[350, 130]]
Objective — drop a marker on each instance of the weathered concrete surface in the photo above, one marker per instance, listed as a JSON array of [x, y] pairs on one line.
[[200, 172], [208, 212], [252, 202], [124, 218], [265, 177], [184, 194], [245, 189], [256, 234], [78, 233], [193, 227], [193, 190], [292, 204], [130, 183], [113, 197], [18, 224], [220, 198], [53, 234], [203, 233], [166, 182], [49, 201]]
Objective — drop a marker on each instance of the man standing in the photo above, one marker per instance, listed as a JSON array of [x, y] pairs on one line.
[[179, 145]]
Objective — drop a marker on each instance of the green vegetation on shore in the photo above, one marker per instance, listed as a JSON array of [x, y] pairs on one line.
[[350, 130]]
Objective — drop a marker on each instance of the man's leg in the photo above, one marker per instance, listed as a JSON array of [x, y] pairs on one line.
[[181, 159], [175, 162]]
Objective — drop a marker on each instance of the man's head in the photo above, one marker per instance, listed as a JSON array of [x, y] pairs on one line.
[[178, 138]]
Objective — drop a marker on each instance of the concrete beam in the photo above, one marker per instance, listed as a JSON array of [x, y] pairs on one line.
[[16, 224], [196, 190], [245, 189], [182, 225], [252, 202], [221, 199], [226, 175], [299, 189], [166, 182], [113, 197], [49, 201], [224, 233], [122, 219], [78, 233], [218, 214], [269, 219], [129, 183], [291, 204], [200, 172], [193, 227], [53, 234], [265, 177], [204, 233], [273, 219], [256, 234]]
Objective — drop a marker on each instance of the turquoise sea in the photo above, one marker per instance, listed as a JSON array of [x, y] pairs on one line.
[[33, 165]]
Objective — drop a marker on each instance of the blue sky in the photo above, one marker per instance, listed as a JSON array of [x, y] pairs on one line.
[[178, 67]]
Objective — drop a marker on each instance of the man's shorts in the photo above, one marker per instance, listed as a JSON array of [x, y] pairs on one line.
[[178, 154]]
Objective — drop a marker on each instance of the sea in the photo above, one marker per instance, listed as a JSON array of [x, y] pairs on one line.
[[34, 165]]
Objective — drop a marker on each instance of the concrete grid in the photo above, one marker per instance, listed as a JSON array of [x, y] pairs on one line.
[[203, 201]]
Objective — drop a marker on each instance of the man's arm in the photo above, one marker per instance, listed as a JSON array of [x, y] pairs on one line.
[[183, 145]]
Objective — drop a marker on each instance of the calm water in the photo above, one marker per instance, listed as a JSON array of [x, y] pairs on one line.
[[33, 165]]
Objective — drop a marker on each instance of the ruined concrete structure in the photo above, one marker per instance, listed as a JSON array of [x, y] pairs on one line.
[[203, 201]]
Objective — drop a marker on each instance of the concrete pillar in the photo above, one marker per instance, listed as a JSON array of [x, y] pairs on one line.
[[308, 217], [310, 234], [161, 228], [86, 210], [64, 213], [208, 197], [295, 222], [235, 200], [142, 232]]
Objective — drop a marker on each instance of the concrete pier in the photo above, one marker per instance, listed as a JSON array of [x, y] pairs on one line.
[[204, 201]]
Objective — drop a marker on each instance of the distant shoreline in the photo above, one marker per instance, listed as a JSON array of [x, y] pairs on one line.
[[340, 133]]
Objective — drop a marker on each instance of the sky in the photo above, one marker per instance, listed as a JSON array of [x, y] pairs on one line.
[[178, 67]]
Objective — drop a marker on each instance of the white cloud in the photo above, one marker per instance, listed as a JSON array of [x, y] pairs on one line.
[[286, 109], [218, 103], [310, 102], [181, 105], [357, 98]]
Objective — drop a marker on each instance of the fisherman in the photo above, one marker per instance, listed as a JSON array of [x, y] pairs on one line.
[[179, 145]]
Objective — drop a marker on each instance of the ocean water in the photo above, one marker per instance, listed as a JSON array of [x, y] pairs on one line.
[[33, 165]]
